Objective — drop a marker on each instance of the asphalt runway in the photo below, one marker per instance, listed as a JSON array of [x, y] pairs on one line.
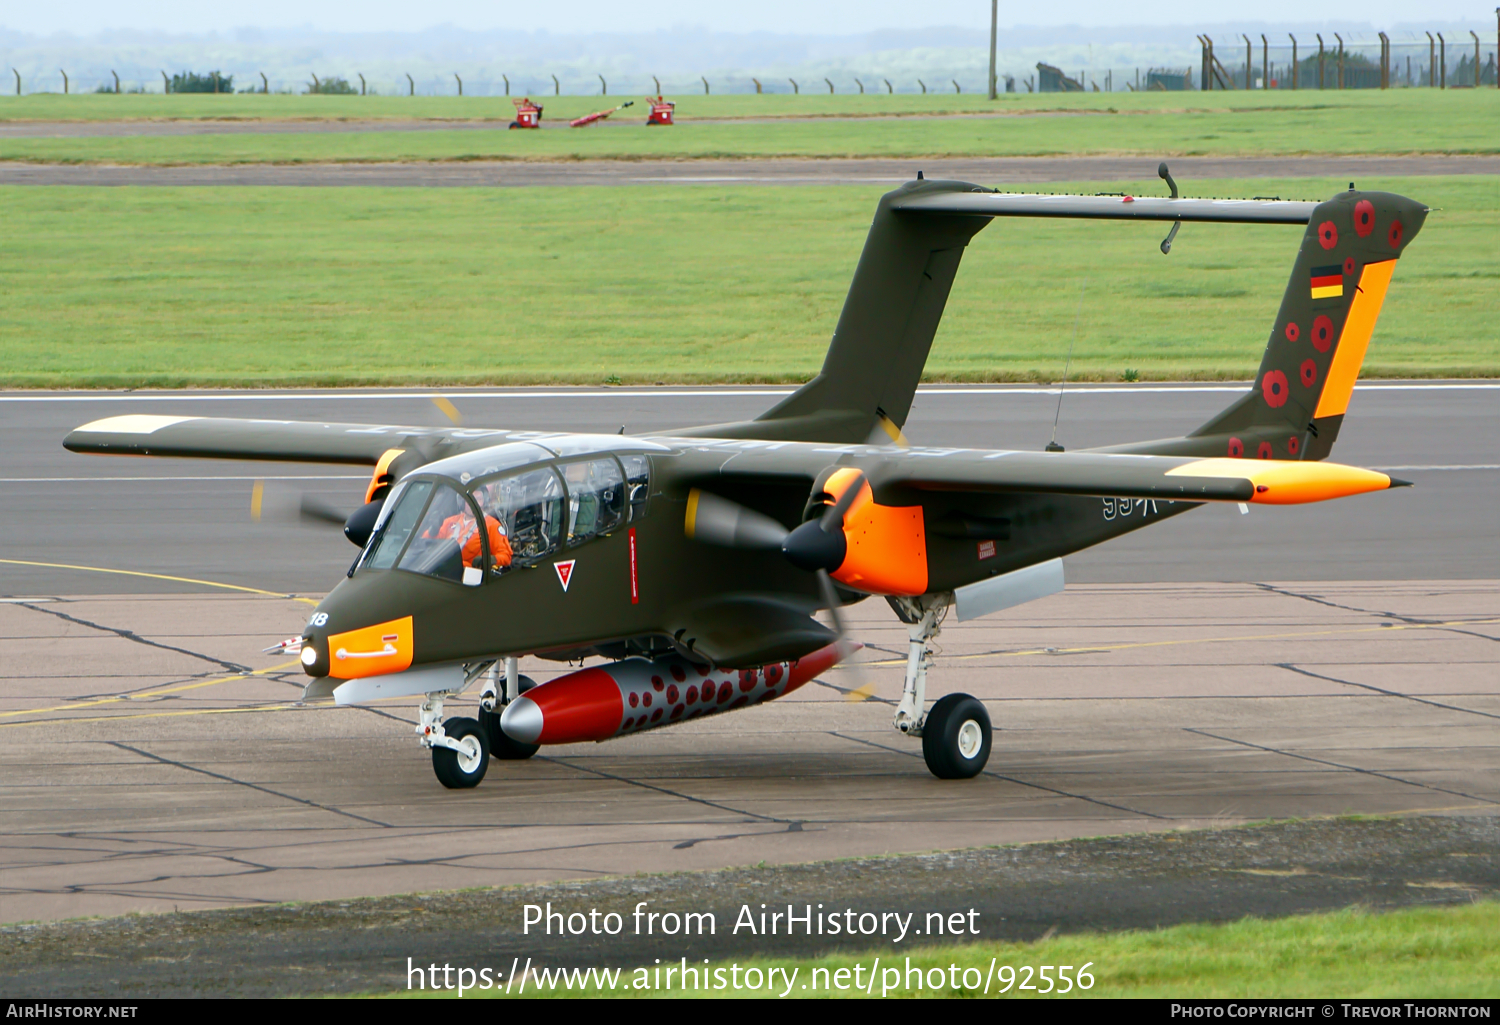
[[519, 173], [191, 518]]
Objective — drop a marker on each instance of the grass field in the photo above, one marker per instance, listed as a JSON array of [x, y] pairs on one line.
[[1433, 953], [1368, 122], [133, 287]]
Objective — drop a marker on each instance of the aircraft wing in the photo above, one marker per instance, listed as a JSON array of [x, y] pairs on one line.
[[985, 203], [1164, 478], [281, 440]]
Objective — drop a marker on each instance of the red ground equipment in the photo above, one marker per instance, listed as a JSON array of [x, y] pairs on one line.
[[528, 114], [661, 111], [598, 115]]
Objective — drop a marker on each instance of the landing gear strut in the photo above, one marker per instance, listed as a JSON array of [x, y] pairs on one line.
[[956, 734], [499, 691]]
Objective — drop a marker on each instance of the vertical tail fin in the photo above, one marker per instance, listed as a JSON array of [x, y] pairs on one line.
[[1318, 344]]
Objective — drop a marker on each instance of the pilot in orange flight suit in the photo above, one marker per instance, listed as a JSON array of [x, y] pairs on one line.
[[460, 527]]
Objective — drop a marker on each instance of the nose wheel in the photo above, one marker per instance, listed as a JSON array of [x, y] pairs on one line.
[[462, 763]]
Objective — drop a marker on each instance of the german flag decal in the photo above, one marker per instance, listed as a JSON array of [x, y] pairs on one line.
[[1328, 282]]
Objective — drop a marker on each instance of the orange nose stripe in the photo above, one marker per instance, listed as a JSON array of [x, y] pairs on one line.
[[371, 650]]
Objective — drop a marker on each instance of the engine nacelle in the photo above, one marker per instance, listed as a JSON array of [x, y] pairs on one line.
[[641, 694]]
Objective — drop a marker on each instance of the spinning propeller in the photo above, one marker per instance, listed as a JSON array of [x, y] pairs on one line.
[[817, 546]]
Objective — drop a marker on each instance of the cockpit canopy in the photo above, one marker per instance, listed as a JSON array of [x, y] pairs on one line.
[[484, 513]]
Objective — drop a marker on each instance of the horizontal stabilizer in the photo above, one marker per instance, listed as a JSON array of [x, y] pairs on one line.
[[984, 203]]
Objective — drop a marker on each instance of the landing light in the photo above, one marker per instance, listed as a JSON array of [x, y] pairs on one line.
[[309, 656]]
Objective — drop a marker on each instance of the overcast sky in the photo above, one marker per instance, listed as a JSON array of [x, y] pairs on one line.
[[791, 16]]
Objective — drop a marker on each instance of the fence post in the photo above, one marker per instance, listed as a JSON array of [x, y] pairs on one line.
[[18, 81], [317, 86], [1341, 58], [1431, 62], [1320, 59], [1497, 48], [117, 80], [1265, 63], [1385, 61], [889, 91], [166, 83], [861, 86], [507, 85], [994, 28], [705, 84], [1295, 69], [1442, 62], [265, 84], [1249, 60], [216, 83], [361, 83], [64, 74], [657, 83], [830, 87], [757, 86], [556, 86], [411, 87], [955, 85], [795, 91], [1476, 58], [923, 85], [460, 83], [603, 86]]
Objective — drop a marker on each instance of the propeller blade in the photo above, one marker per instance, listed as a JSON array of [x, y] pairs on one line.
[[846, 645], [833, 517], [315, 511], [718, 521]]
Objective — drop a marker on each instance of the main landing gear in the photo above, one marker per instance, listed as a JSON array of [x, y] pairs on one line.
[[956, 733], [462, 747]]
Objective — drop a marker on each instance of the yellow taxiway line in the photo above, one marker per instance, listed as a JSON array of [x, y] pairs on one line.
[[157, 576]]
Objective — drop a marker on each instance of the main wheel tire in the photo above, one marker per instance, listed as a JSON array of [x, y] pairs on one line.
[[956, 737], [502, 746], [461, 770]]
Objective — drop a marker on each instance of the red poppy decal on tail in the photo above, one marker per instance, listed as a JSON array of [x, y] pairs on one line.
[[1274, 387], [1322, 333], [1236, 448], [1364, 217], [1293, 332], [1348, 265], [1309, 373], [1328, 235], [1264, 451], [1394, 235], [1294, 444]]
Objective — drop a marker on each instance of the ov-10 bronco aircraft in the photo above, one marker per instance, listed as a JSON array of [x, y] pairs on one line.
[[693, 563]]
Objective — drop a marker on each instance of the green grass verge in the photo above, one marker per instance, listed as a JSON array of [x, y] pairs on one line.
[[134, 287], [1380, 123], [1432, 952]]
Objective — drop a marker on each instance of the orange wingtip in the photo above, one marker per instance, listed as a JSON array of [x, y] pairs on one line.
[[1284, 482]]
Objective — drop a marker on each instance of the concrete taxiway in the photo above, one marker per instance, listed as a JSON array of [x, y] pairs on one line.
[[753, 171], [154, 759]]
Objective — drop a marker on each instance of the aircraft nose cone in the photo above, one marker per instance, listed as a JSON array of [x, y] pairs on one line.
[[522, 720]]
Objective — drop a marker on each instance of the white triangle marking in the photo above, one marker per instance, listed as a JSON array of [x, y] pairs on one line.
[[564, 572]]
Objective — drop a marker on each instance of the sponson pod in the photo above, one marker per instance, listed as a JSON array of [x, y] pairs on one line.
[[640, 694]]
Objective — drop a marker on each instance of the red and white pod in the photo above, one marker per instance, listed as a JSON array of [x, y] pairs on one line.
[[640, 694]]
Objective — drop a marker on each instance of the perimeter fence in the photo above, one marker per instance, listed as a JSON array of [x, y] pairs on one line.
[[1348, 61]]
